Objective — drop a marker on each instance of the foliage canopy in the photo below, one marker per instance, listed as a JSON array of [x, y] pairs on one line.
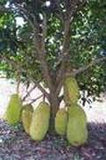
[[55, 34]]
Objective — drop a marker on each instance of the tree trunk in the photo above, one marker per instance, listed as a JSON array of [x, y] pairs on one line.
[[54, 104]]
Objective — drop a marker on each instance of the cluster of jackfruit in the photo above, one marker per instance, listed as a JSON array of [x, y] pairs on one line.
[[35, 123], [73, 121], [70, 121], [13, 112], [72, 124]]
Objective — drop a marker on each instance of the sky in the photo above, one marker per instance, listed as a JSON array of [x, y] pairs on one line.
[[19, 21]]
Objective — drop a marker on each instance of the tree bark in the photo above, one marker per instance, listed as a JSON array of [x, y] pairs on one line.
[[54, 104]]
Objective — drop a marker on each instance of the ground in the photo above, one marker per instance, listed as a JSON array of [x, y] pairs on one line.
[[15, 144]]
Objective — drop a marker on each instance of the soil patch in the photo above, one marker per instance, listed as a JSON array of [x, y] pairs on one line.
[[15, 144]]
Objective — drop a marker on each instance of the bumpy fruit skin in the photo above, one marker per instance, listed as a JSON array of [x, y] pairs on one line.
[[13, 112], [27, 117], [77, 132], [71, 90], [40, 122], [61, 121]]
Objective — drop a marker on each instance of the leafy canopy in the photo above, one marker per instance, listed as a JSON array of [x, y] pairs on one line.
[[87, 41]]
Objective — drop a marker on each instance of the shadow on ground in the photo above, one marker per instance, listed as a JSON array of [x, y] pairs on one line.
[[16, 145]]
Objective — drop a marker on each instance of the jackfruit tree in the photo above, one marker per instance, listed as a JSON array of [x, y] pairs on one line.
[[46, 41]]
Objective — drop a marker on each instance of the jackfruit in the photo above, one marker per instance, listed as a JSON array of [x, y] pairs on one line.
[[77, 132], [13, 112], [40, 121], [61, 121], [27, 117], [71, 90]]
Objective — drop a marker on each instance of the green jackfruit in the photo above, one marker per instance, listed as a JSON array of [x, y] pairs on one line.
[[40, 121], [27, 117], [71, 90], [61, 121], [13, 112], [77, 132]]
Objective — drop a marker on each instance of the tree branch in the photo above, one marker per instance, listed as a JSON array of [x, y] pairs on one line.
[[34, 100], [39, 42], [64, 54], [86, 67], [71, 10], [18, 66], [37, 83], [43, 91], [18, 82], [61, 98], [28, 93]]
